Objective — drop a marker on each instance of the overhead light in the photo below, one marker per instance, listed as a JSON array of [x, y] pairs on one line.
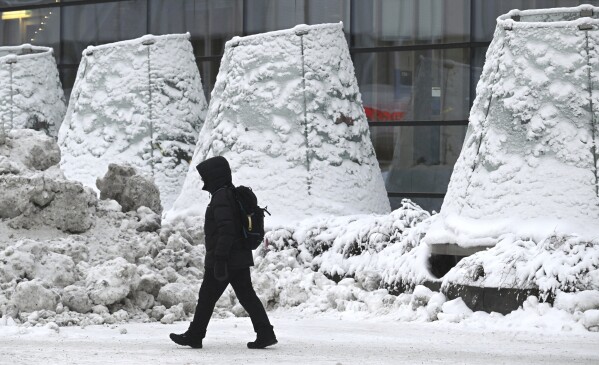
[[17, 14]]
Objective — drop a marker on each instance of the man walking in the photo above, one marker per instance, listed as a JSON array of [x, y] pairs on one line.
[[227, 260]]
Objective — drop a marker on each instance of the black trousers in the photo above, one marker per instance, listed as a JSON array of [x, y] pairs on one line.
[[212, 289]]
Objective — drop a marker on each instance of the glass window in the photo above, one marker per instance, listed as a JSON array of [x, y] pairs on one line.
[[417, 159], [485, 12], [208, 72], [85, 25], [415, 85], [380, 23], [268, 15], [211, 23], [68, 74], [39, 27], [21, 3], [478, 62]]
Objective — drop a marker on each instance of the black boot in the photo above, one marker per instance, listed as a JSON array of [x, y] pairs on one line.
[[189, 338], [265, 337]]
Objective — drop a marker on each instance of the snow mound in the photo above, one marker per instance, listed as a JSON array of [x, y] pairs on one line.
[[111, 281], [138, 102], [287, 114], [529, 163], [131, 190], [31, 95], [34, 192]]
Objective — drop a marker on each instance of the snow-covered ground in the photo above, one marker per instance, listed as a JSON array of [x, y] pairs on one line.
[[321, 339]]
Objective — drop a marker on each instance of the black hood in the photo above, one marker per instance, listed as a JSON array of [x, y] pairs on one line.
[[215, 173]]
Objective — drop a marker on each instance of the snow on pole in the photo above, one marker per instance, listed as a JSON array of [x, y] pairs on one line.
[[138, 102], [31, 95], [287, 114], [528, 166]]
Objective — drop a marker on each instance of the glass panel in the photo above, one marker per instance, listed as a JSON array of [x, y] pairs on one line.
[[417, 159], [379, 23], [208, 72], [415, 85], [211, 23], [268, 15], [39, 27], [485, 12], [68, 74], [20, 3], [478, 62], [85, 25]]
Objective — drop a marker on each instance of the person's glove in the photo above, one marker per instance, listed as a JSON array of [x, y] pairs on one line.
[[221, 272]]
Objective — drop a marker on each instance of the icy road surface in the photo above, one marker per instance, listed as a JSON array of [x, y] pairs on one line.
[[309, 340]]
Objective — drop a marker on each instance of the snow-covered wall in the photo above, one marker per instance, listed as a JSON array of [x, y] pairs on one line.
[[287, 113], [31, 95], [138, 102], [529, 162]]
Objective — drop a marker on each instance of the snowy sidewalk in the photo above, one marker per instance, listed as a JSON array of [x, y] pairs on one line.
[[309, 340]]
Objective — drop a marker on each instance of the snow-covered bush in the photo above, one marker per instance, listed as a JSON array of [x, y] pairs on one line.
[[287, 113], [31, 95], [554, 264], [528, 166], [376, 250], [139, 102]]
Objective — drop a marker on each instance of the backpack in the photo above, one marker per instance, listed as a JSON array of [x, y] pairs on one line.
[[252, 216]]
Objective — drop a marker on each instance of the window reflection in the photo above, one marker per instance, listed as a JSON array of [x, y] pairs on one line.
[[38, 26], [208, 72], [211, 23], [101, 23], [417, 159], [379, 23], [415, 85], [268, 15]]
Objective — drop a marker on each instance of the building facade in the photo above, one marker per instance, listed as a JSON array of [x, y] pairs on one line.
[[417, 61]]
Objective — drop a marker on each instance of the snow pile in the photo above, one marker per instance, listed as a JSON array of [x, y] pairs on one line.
[[138, 102], [529, 162], [115, 274], [287, 114], [131, 190], [34, 191], [31, 95]]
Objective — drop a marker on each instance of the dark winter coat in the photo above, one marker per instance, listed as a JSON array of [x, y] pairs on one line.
[[222, 224]]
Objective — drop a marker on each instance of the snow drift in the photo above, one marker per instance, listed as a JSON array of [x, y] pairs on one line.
[[528, 166], [287, 114], [31, 95], [138, 102]]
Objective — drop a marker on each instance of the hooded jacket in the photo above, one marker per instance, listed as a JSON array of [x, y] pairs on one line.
[[222, 223]]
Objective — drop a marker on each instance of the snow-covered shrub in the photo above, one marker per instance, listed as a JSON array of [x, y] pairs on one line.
[[557, 263], [376, 250], [138, 101], [528, 166], [287, 113], [31, 95]]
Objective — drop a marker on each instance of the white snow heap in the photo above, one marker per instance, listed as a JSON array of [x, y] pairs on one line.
[[287, 114], [528, 166], [31, 95], [138, 102]]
